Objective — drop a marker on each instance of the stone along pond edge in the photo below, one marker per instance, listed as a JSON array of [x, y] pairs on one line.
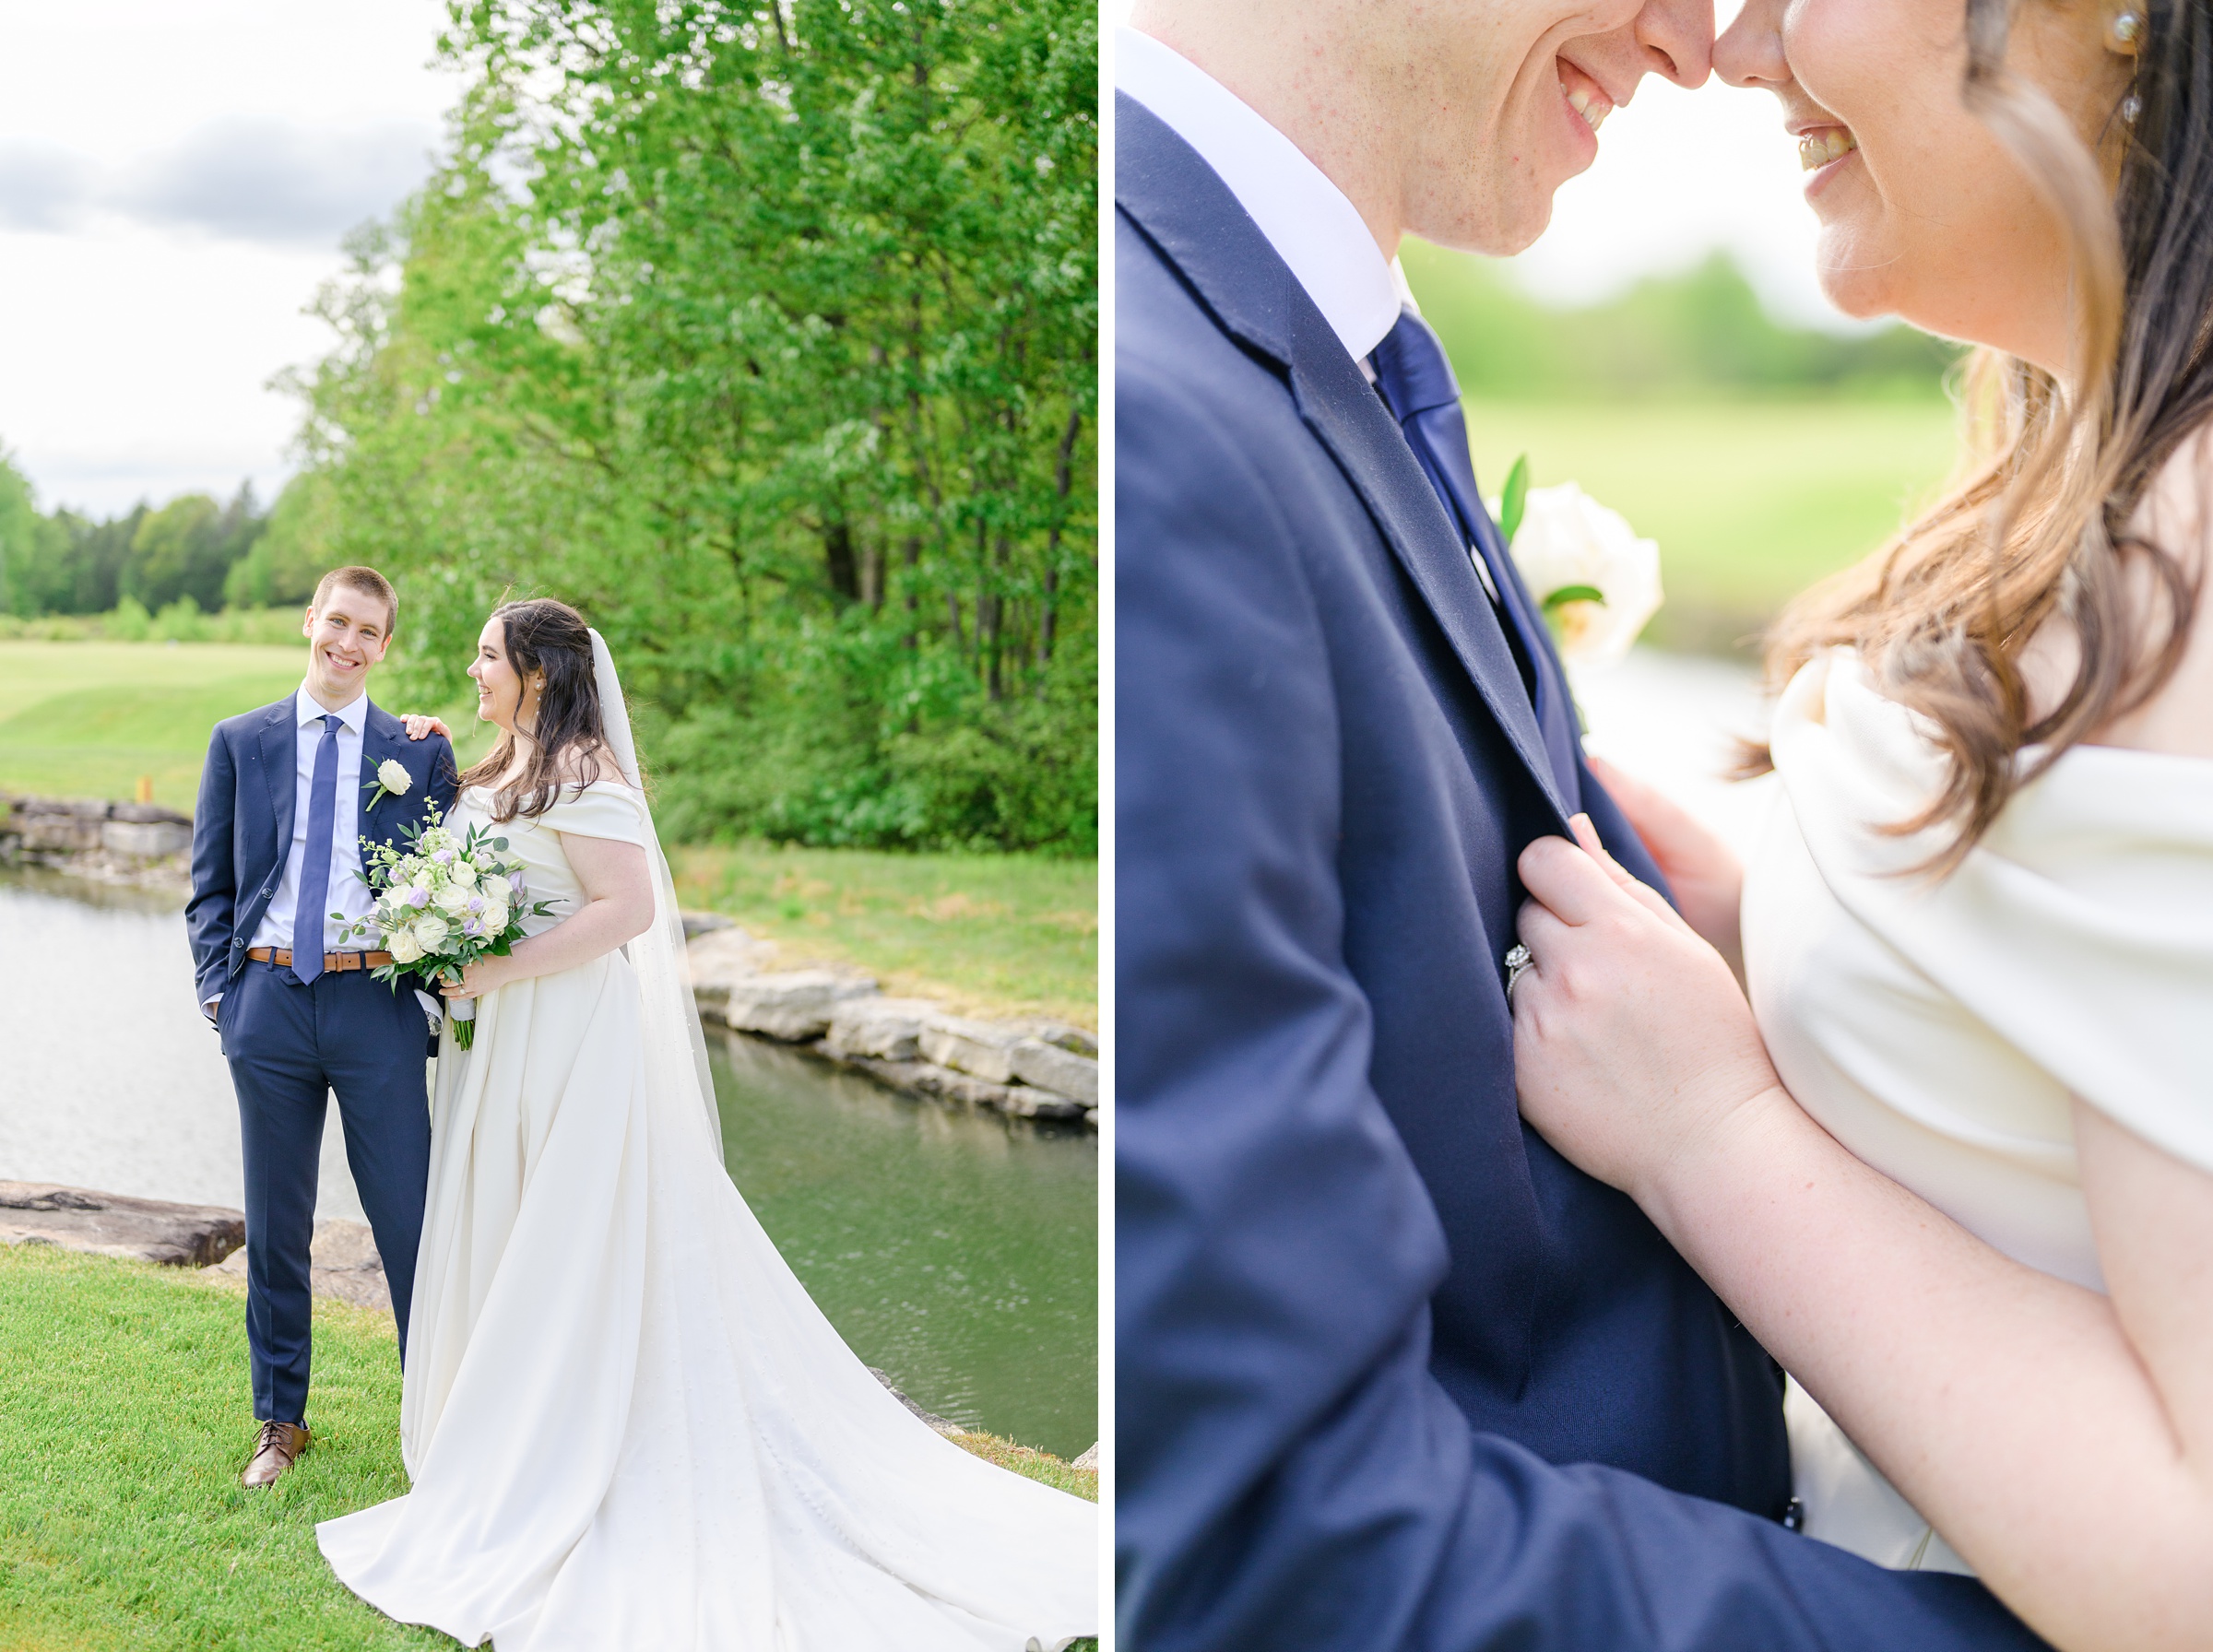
[[1025, 1068]]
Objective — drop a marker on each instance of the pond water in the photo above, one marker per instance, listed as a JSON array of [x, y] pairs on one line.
[[956, 1251]]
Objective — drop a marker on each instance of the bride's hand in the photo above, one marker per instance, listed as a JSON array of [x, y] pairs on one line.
[[487, 974], [1632, 1043], [423, 728], [1703, 871]]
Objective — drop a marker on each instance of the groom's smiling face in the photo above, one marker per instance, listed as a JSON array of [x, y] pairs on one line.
[[347, 634], [1517, 107]]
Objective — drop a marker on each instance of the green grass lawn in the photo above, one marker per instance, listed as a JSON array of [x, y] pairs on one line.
[[1750, 501], [87, 719], [125, 1419], [994, 934]]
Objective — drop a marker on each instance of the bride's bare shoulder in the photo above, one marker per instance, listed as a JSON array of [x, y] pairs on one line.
[[2177, 516], [576, 769]]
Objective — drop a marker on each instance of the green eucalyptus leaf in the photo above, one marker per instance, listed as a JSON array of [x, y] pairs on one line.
[[1568, 594], [1513, 499]]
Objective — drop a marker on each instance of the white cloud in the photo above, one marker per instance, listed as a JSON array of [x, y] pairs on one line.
[[240, 178], [43, 185], [174, 181]]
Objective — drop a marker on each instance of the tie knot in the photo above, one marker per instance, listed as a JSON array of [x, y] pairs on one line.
[[331, 722], [1412, 371]]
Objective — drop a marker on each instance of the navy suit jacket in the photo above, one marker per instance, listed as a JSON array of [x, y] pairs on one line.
[[242, 829], [1392, 1374]]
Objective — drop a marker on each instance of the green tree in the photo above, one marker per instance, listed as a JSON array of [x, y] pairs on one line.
[[292, 551], [175, 551], [94, 554], [187, 547], [767, 336], [22, 535]]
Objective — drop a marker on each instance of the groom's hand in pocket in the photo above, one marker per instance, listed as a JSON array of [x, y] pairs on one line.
[[1707, 877]]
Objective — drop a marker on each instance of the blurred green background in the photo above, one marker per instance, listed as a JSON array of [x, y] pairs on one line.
[[1760, 456]]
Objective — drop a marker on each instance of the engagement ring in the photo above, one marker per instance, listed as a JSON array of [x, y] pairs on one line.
[[1517, 960]]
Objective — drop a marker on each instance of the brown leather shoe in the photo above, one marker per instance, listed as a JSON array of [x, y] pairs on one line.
[[276, 1449]]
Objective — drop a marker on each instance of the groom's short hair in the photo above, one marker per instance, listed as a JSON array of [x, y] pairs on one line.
[[369, 583]]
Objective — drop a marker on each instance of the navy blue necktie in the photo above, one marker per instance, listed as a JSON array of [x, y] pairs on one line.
[[1417, 381], [315, 860]]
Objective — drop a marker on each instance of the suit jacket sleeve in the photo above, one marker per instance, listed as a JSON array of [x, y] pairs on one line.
[[444, 774], [1290, 1476], [211, 913]]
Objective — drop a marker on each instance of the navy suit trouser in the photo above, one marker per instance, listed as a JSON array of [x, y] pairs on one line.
[[290, 1044]]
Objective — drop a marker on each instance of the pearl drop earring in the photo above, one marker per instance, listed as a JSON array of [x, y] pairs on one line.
[[2123, 33]]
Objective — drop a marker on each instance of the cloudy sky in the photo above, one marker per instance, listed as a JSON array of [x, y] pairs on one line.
[[174, 182], [1679, 173]]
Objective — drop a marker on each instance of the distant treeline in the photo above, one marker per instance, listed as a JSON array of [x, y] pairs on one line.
[[193, 550], [1704, 332]]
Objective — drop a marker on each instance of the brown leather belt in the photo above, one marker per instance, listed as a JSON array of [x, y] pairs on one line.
[[331, 960]]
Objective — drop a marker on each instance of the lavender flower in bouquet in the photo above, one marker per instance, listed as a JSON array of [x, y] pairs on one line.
[[442, 904]]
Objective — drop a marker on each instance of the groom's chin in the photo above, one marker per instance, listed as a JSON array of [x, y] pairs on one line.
[[1507, 228]]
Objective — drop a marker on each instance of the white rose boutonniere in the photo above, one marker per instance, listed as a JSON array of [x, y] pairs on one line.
[[1595, 580], [392, 780]]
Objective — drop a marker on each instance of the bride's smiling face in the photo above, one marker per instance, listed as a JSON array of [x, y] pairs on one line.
[[1925, 215], [501, 692]]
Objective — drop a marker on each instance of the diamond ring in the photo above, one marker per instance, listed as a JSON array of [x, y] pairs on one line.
[[1517, 960]]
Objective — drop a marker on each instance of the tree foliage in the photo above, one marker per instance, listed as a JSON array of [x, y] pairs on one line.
[[67, 563], [765, 335], [1702, 332], [187, 548]]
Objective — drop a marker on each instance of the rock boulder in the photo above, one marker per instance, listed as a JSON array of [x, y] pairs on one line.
[[1048, 1066], [794, 1005], [114, 1224]]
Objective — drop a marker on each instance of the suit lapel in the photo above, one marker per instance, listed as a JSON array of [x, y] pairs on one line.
[[281, 767], [1180, 205], [381, 739]]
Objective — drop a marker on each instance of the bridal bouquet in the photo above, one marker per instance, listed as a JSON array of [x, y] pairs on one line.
[[442, 904], [1596, 581]]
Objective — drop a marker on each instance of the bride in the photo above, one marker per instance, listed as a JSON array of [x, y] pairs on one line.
[[1963, 1187], [624, 1422]]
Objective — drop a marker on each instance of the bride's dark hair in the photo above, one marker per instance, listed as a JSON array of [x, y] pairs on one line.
[[568, 734], [2038, 525]]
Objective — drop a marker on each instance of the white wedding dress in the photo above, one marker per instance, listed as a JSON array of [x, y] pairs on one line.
[[625, 1424], [1940, 1030]]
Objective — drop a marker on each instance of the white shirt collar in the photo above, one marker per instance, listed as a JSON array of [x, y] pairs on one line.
[[306, 708], [1306, 218]]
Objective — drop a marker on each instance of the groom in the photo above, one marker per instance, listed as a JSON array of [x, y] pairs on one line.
[[287, 793], [1390, 1373]]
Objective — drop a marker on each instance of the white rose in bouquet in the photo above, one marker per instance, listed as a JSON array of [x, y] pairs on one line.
[[442, 903], [1596, 581]]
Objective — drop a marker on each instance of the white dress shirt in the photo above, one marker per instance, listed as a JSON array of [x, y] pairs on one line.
[[346, 892], [1306, 218]]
